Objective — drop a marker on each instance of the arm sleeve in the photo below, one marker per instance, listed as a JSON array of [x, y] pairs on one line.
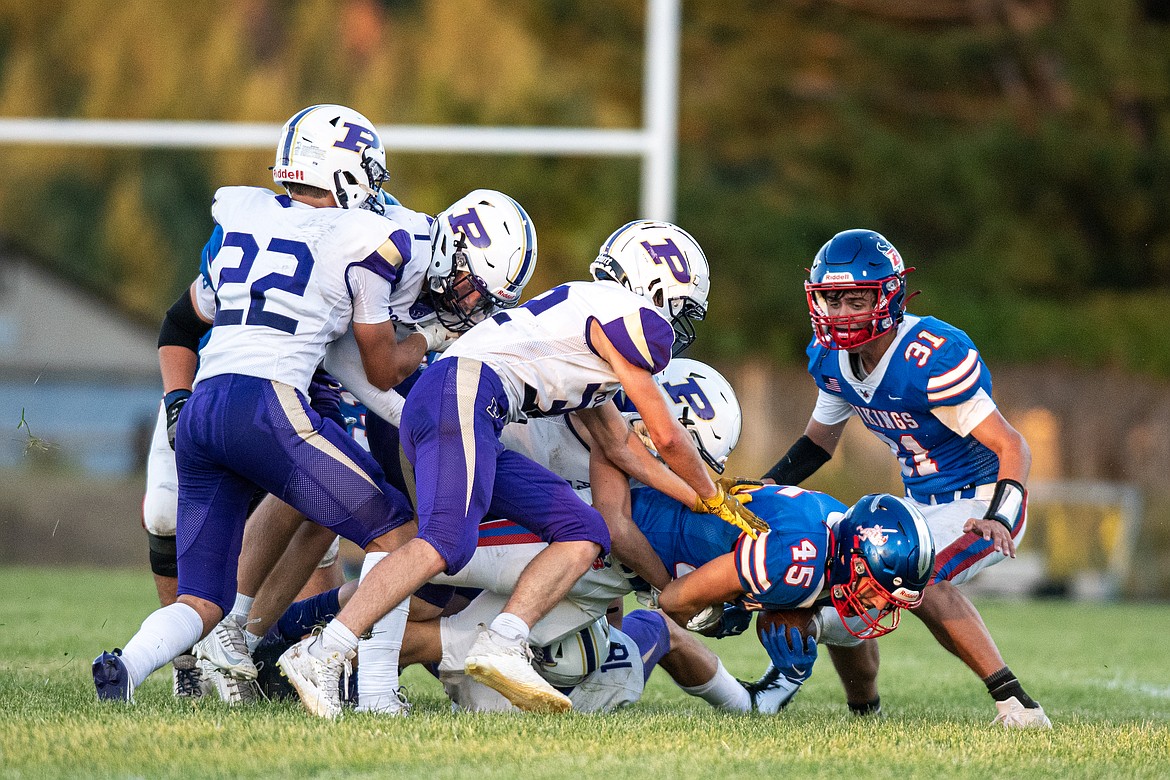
[[344, 361], [182, 327], [965, 417]]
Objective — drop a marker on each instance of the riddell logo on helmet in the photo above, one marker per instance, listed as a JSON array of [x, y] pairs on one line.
[[287, 174], [840, 276]]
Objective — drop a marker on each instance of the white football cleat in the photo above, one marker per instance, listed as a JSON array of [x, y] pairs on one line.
[[316, 677], [230, 689], [506, 666], [1013, 715], [225, 649]]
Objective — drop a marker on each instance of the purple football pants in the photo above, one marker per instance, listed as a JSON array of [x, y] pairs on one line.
[[451, 434], [237, 433]]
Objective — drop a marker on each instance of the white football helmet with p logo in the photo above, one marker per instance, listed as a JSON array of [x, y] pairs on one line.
[[483, 252], [335, 149], [664, 264]]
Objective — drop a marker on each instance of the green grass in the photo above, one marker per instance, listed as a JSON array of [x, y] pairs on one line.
[[1099, 670]]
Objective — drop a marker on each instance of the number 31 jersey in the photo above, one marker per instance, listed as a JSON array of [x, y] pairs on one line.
[[288, 280], [926, 395], [542, 353]]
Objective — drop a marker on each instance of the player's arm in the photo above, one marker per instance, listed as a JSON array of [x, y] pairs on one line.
[[343, 359], [611, 497], [178, 352], [713, 583], [1015, 462]]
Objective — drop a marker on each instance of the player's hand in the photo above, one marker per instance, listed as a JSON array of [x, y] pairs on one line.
[[740, 487], [994, 532], [730, 510], [173, 402], [325, 397], [794, 655], [732, 620], [438, 336]]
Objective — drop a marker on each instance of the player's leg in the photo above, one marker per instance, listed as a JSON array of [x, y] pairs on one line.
[[545, 504], [857, 666], [160, 506], [955, 622], [689, 662]]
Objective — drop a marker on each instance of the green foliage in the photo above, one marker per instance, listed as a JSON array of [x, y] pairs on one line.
[[1017, 154], [1107, 700]]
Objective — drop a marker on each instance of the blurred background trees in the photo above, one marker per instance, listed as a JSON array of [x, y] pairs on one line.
[[1016, 151]]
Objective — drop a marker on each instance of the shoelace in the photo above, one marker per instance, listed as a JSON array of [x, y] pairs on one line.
[[188, 681], [232, 637]]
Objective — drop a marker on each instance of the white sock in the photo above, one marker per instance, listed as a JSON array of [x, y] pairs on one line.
[[336, 636], [242, 607], [252, 640], [165, 633], [378, 655], [723, 692], [509, 626]]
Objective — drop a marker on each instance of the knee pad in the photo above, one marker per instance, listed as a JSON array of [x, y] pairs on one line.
[[164, 558]]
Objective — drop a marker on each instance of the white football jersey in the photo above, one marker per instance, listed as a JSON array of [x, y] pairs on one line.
[[412, 236], [542, 354], [289, 279], [554, 442]]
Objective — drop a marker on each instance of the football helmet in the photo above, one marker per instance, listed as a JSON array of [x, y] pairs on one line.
[[664, 264], [483, 252], [856, 260], [336, 149], [569, 661], [704, 403], [883, 553]]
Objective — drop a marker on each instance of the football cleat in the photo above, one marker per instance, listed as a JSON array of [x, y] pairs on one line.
[[231, 690], [506, 666], [316, 678], [188, 679], [111, 678], [1014, 715], [226, 649], [772, 692]]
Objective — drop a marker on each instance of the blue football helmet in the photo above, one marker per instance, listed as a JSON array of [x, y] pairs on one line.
[[856, 260], [883, 557]]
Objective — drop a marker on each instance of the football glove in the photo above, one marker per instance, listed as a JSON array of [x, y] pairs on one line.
[[793, 656], [740, 487], [732, 620], [728, 509], [437, 335], [173, 401]]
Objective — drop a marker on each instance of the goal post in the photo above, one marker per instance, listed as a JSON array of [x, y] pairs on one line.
[[655, 143]]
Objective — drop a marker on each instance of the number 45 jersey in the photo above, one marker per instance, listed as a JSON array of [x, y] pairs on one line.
[[288, 280], [542, 352], [926, 395]]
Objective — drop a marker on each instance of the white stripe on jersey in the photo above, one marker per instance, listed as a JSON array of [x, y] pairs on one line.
[[290, 402], [955, 373], [942, 395]]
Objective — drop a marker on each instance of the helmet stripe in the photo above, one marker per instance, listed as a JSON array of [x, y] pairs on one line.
[[606, 248], [291, 133], [528, 246]]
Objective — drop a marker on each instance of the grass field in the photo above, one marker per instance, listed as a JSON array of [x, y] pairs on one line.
[[1101, 672]]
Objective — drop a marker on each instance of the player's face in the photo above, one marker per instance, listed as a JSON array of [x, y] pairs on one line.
[[872, 596], [847, 303]]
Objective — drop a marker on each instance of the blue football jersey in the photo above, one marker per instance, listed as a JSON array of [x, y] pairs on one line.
[[929, 365], [683, 539], [785, 567]]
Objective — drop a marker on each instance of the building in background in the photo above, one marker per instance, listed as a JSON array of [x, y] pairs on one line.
[[79, 379]]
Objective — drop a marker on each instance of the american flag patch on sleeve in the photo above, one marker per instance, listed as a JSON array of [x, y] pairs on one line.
[[831, 384]]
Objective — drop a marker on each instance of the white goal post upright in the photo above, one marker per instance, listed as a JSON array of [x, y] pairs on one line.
[[656, 143]]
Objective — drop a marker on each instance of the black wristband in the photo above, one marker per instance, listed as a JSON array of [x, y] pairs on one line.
[[801, 461], [1007, 504]]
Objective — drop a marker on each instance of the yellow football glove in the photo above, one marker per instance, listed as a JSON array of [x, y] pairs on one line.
[[740, 487], [728, 509]]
